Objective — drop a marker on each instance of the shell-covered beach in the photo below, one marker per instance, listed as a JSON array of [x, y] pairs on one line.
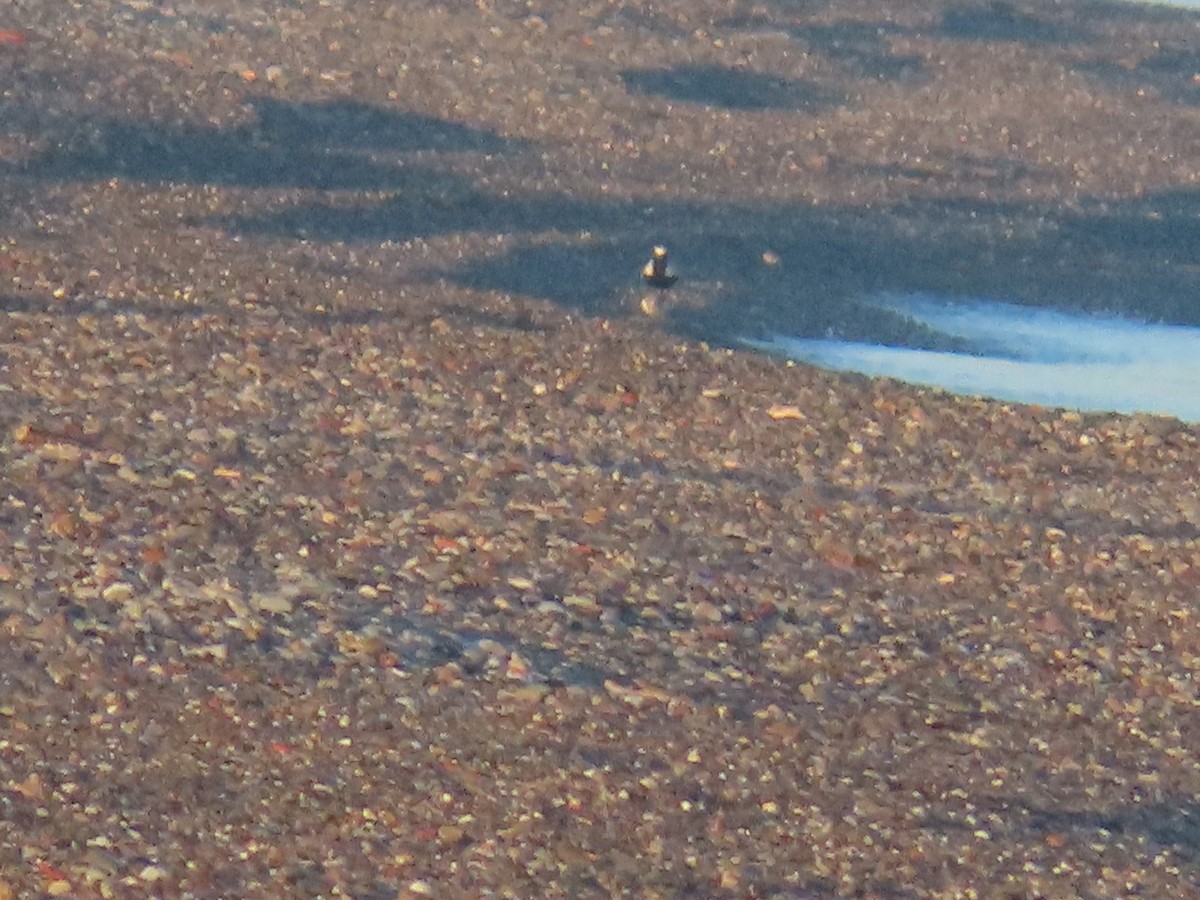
[[369, 529]]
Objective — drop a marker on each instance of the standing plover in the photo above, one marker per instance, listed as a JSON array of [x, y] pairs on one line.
[[656, 272]]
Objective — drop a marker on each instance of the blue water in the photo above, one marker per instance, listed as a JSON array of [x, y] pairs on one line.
[[1028, 355]]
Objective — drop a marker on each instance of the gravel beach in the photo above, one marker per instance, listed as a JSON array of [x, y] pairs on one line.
[[369, 529]]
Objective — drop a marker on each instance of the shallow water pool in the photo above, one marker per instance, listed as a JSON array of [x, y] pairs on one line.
[[1027, 355]]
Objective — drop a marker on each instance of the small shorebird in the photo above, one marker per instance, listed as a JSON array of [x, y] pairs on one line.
[[656, 272]]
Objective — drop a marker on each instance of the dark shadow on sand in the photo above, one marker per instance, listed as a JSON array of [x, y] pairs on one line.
[[1172, 824], [1168, 73], [339, 145], [1131, 256], [1000, 21], [736, 89], [1103, 37]]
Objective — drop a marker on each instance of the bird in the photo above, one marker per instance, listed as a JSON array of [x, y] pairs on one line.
[[656, 272]]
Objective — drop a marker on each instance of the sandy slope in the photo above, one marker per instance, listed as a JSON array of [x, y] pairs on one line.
[[360, 535]]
